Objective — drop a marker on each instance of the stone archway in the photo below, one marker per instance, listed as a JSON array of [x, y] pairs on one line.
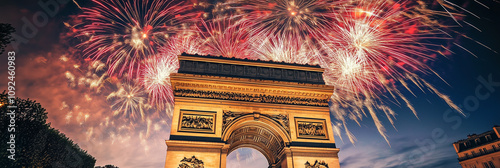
[[222, 104], [257, 131]]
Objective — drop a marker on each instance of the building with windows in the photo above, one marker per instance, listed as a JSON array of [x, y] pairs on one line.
[[480, 151]]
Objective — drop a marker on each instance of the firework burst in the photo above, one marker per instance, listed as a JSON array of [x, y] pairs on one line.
[[155, 78], [371, 50], [284, 49], [155, 74], [126, 32], [349, 72], [226, 36], [129, 100], [297, 18], [383, 37], [189, 43]]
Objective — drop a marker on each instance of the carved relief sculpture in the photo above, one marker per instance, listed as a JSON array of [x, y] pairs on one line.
[[282, 119], [228, 117], [192, 162], [250, 97], [317, 164], [194, 121], [197, 122], [311, 128]]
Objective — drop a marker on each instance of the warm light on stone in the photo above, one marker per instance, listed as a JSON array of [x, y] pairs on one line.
[[222, 104]]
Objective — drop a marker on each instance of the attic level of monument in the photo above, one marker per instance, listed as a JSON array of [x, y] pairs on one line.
[[252, 69], [222, 104]]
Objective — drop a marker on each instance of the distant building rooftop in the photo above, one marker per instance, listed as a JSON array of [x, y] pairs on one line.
[[479, 150], [476, 140]]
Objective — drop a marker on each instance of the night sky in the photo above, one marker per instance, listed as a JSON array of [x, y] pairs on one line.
[[425, 141]]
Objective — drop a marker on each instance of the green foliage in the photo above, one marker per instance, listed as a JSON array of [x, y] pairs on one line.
[[5, 35], [36, 143]]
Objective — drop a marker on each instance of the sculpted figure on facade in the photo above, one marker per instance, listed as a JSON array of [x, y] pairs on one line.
[[312, 129], [192, 162], [317, 164], [251, 97], [197, 122]]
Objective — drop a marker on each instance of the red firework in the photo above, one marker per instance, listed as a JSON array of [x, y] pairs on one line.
[[124, 33]]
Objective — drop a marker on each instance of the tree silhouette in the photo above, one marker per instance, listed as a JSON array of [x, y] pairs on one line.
[[5, 35], [36, 143]]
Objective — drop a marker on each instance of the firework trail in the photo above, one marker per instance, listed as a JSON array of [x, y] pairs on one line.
[[124, 33]]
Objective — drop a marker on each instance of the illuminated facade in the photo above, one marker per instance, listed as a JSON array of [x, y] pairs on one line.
[[222, 104], [480, 151]]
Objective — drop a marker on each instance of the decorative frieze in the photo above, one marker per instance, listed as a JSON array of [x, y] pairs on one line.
[[280, 91], [251, 97]]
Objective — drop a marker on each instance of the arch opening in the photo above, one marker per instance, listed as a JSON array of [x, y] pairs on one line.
[[263, 135], [246, 157]]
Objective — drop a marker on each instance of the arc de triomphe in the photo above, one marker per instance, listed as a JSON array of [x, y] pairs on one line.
[[222, 104]]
